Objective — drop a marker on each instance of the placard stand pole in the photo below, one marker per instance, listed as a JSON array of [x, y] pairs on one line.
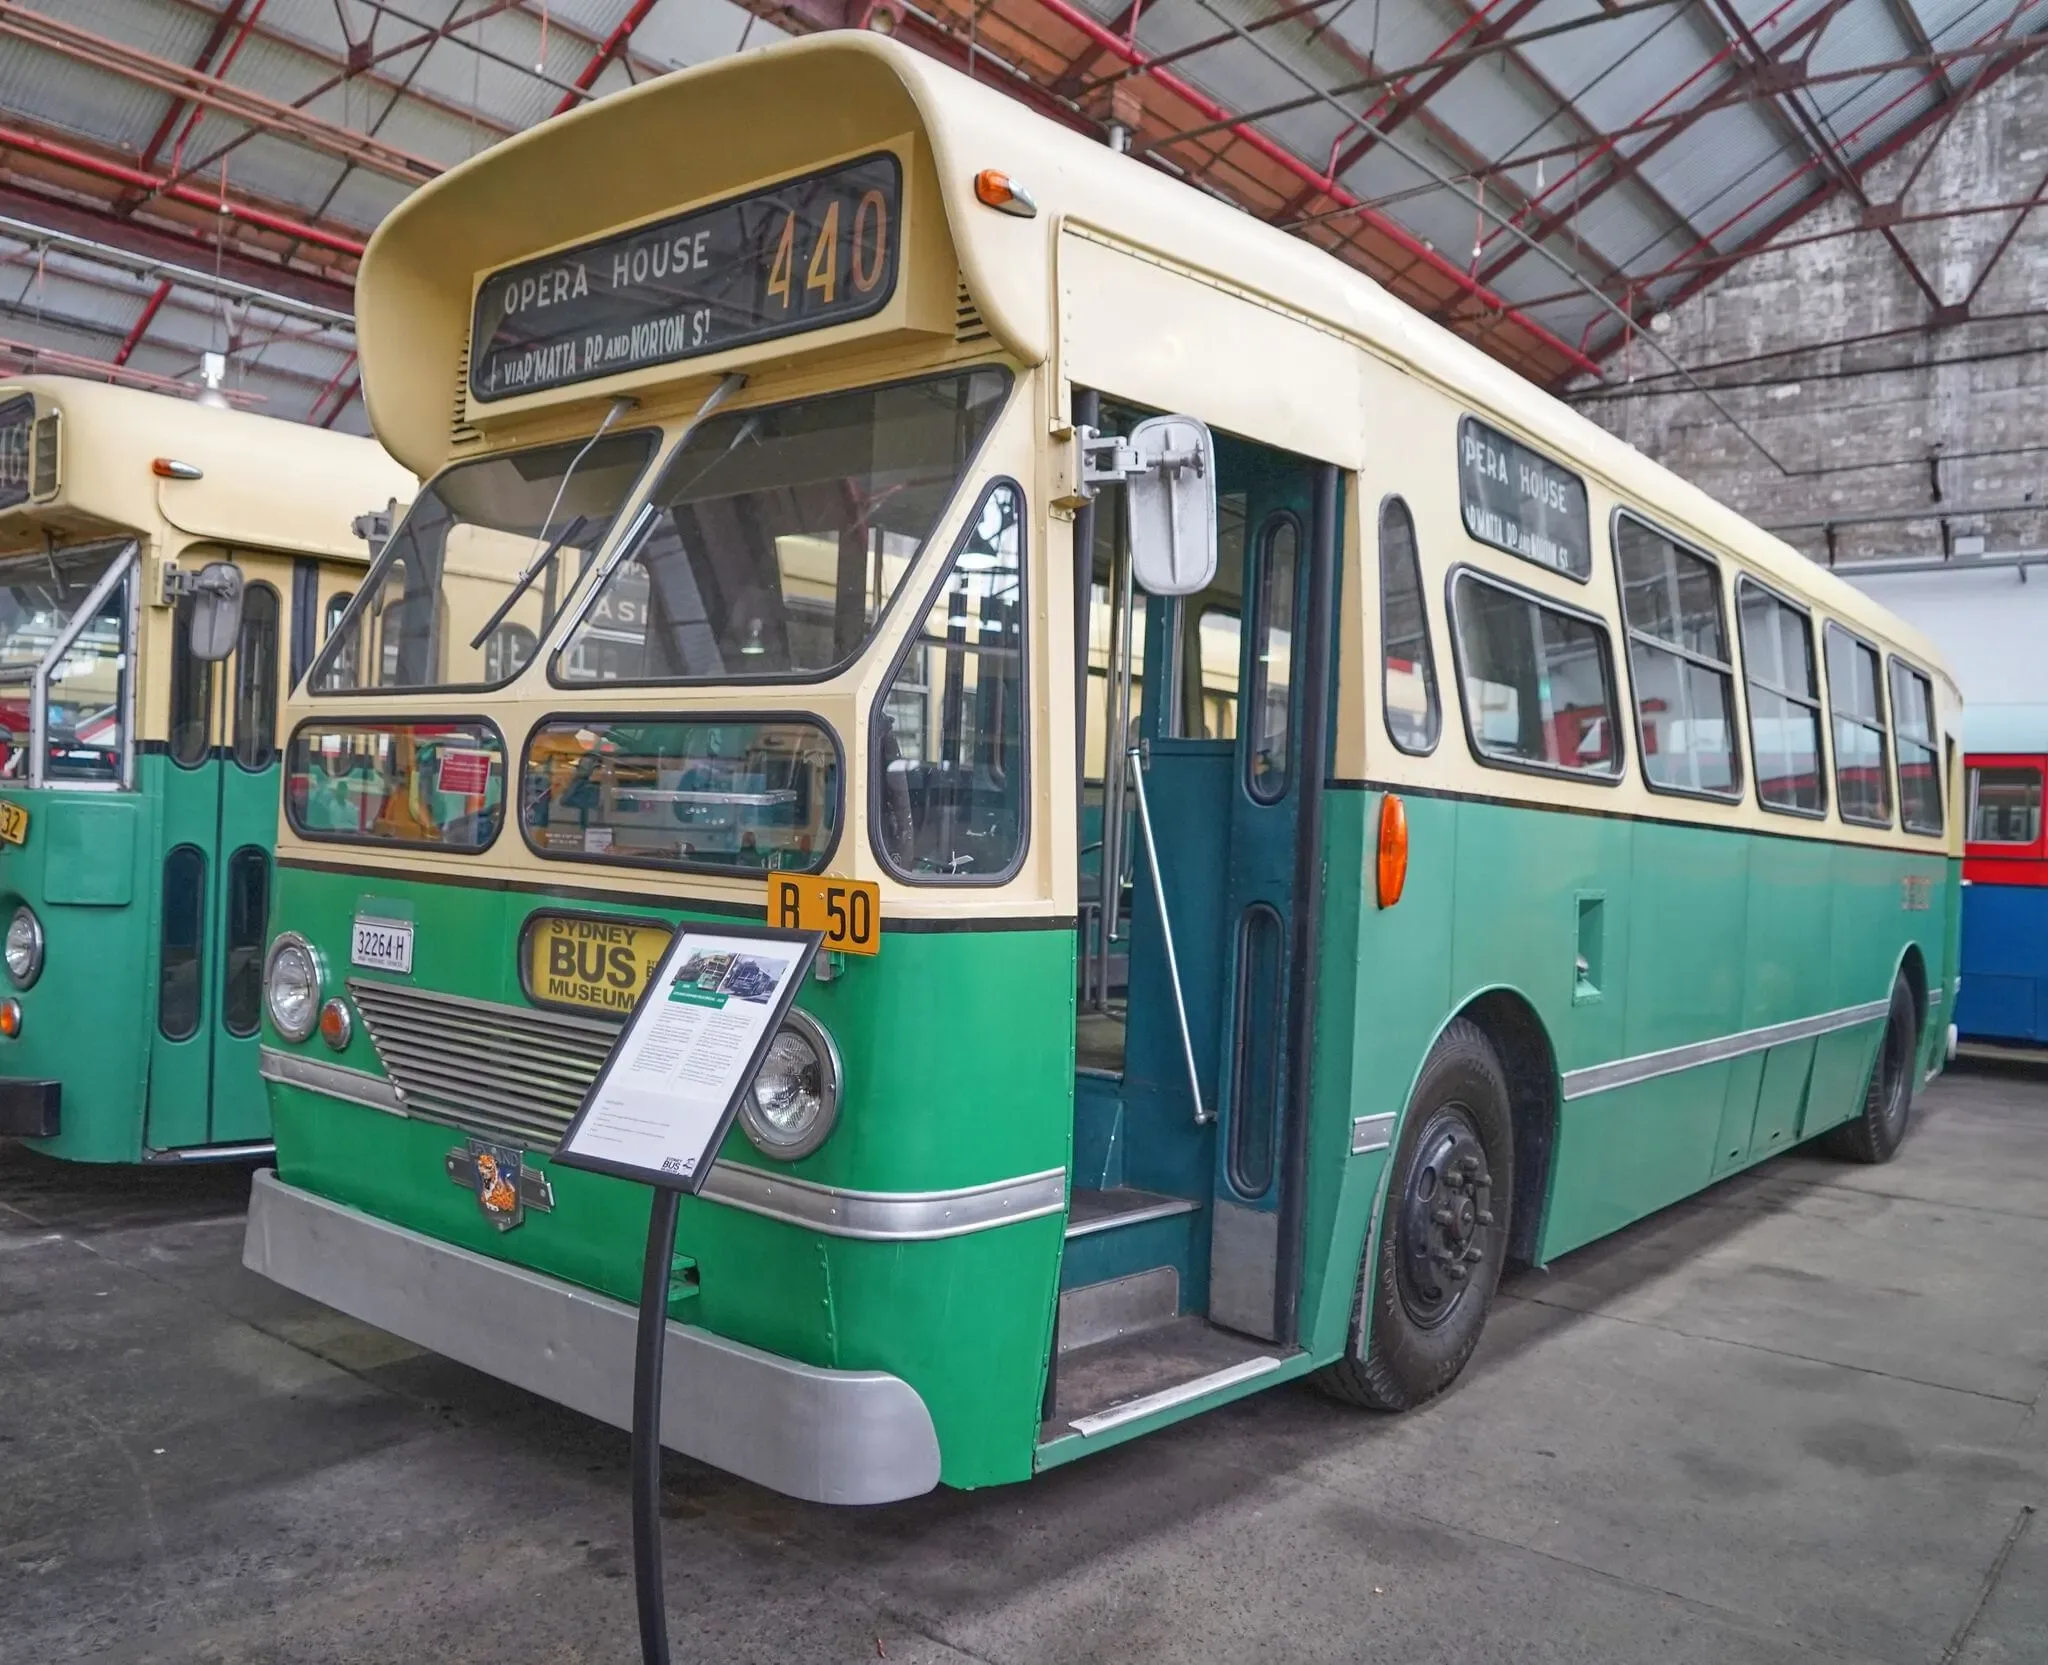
[[649, 1349]]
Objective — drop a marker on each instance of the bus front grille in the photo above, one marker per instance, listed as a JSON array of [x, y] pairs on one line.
[[515, 1073]]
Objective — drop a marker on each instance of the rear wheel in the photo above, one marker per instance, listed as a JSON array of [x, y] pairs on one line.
[[1444, 1235], [1876, 1132]]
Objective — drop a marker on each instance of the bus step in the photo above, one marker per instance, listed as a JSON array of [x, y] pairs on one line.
[[1122, 1205], [1147, 1371], [1098, 1312]]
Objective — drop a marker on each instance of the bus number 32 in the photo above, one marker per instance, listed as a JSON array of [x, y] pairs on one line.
[[867, 259]]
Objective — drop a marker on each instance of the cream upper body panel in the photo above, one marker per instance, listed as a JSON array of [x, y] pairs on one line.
[[262, 482]]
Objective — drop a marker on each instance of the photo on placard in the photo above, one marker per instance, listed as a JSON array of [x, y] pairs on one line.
[[754, 978], [702, 970]]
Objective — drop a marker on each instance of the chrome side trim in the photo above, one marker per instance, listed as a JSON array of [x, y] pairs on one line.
[[1934, 997], [1647, 1066], [1371, 1133], [335, 1080], [256, 1151], [828, 1436], [887, 1216], [1166, 1398]]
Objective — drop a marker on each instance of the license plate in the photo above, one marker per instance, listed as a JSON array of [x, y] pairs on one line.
[[13, 823], [848, 911], [381, 945], [590, 962]]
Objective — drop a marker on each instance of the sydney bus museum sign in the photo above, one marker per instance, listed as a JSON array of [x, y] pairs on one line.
[[797, 256]]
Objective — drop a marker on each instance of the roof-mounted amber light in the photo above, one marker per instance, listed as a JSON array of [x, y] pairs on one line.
[[1005, 195], [169, 468]]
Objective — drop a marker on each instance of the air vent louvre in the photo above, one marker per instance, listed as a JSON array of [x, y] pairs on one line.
[[968, 327], [42, 468], [460, 433]]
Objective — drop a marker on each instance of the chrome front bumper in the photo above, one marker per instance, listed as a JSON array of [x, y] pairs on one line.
[[828, 1436]]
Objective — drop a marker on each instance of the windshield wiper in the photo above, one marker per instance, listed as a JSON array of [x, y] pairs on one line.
[[524, 581]]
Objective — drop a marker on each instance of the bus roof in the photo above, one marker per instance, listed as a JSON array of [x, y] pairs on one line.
[[833, 93], [263, 482]]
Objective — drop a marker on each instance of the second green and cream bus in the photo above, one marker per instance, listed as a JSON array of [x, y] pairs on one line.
[[1536, 840], [139, 778]]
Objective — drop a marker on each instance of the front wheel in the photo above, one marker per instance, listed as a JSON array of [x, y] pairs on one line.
[[1880, 1126], [1444, 1236]]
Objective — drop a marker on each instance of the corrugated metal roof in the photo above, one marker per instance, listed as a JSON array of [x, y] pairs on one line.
[[1633, 136]]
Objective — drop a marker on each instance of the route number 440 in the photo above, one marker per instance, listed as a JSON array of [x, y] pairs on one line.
[[847, 911]]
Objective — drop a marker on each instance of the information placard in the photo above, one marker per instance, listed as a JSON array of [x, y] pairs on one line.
[[671, 1085]]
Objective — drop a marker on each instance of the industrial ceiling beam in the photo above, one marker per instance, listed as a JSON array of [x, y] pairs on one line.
[[2013, 54], [268, 115], [167, 253], [118, 173], [1418, 251], [140, 328], [612, 45], [1484, 26]]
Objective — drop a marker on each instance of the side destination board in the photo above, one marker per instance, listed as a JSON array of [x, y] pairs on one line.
[[798, 256], [17, 425], [1519, 500]]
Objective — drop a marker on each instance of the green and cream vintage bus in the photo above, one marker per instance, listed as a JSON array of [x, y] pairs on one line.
[[1476, 840], [139, 765]]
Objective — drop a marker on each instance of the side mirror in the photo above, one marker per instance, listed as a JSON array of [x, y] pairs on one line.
[[1170, 497], [216, 620]]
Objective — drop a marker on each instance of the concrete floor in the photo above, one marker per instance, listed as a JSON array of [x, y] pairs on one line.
[[1797, 1419]]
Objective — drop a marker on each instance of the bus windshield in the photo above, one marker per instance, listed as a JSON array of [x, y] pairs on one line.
[[39, 596], [460, 554], [781, 535]]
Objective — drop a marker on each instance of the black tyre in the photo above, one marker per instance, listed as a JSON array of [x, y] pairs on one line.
[[1444, 1234], [1879, 1127]]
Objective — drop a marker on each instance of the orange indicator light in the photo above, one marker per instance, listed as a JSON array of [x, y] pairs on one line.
[[1393, 851], [999, 191], [10, 1018]]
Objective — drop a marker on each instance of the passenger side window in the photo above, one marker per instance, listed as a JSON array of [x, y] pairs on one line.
[[1863, 782], [1678, 662], [1784, 701], [1919, 757], [256, 678], [341, 672], [2005, 805], [1270, 709], [949, 732], [1538, 681], [191, 693], [1407, 670]]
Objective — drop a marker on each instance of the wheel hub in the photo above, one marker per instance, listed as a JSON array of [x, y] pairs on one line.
[[1446, 1210]]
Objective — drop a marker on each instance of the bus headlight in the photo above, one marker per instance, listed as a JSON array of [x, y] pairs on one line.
[[795, 1100], [24, 948], [291, 986]]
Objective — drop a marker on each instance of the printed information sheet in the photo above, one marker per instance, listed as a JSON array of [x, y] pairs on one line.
[[693, 1045]]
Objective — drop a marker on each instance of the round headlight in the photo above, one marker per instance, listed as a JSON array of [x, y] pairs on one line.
[[795, 1100], [24, 948], [291, 987]]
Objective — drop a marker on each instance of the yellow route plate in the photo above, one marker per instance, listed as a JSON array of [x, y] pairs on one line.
[[591, 962], [848, 911], [13, 823]]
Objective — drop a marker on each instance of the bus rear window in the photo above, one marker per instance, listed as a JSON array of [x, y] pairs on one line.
[[748, 795], [427, 783]]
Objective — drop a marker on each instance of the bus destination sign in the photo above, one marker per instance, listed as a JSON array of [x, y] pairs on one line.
[[17, 427], [1519, 500], [798, 256]]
